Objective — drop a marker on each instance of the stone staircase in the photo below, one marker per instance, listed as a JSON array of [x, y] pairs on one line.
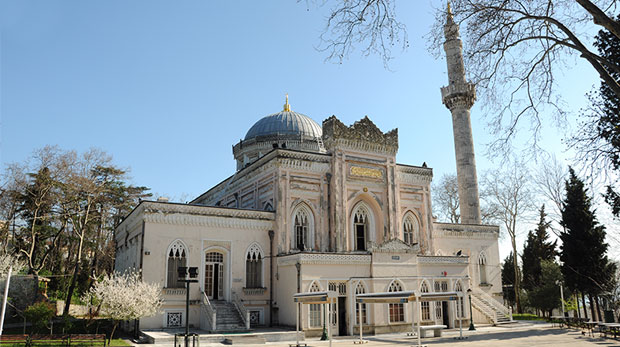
[[228, 318], [495, 312]]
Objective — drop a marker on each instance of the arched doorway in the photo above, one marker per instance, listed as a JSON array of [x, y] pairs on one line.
[[214, 275]]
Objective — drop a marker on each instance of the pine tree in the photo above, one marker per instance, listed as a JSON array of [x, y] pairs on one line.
[[586, 268], [537, 249]]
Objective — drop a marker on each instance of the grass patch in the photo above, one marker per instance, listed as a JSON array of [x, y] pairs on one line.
[[526, 316]]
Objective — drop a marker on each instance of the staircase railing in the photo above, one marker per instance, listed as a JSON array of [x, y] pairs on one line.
[[243, 311], [494, 303], [209, 313], [484, 308]]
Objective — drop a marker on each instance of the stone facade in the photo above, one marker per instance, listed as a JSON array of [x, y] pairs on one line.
[[314, 208]]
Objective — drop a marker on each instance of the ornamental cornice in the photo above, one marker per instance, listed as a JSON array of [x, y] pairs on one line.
[[200, 210], [324, 259], [393, 246], [472, 231], [208, 221], [305, 165], [440, 260]]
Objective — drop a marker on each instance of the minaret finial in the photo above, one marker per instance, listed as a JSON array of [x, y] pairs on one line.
[[287, 107]]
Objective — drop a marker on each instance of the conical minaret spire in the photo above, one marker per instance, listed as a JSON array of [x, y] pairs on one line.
[[459, 97]]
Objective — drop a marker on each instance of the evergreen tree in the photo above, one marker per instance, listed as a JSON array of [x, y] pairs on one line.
[[546, 296], [537, 249], [508, 278], [586, 268]]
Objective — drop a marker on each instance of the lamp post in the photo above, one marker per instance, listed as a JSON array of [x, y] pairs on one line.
[[471, 313], [193, 273], [559, 283]]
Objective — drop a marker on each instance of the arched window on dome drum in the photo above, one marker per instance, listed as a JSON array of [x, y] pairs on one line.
[[426, 307], [254, 268], [410, 229], [397, 311], [359, 289], [301, 229], [177, 256], [360, 228], [315, 309]]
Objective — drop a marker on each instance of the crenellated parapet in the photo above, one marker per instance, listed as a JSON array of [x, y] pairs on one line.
[[362, 135]]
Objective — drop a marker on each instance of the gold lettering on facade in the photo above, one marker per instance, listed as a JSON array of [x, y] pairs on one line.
[[366, 172]]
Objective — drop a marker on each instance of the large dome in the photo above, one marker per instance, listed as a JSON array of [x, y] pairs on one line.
[[285, 123]]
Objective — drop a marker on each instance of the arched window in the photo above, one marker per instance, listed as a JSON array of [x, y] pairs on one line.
[[397, 311], [411, 228], [426, 307], [315, 309], [301, 229], [254, 267], [460, 307], [360, 227], [359, 289], [482, 268], [177, 256]]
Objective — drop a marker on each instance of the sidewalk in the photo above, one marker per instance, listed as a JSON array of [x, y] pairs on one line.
[[521, 334]]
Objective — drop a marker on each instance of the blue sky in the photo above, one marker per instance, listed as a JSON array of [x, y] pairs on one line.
[[167, 87]]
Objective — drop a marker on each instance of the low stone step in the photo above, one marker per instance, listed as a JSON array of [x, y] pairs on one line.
[[244, 340]]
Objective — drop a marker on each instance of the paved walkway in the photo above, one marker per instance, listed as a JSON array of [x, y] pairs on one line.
[[520, 335]]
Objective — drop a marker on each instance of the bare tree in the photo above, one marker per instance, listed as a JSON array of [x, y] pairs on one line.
[[371, 24], [513, 50], [550, 178], [509, 191], [446, 198]]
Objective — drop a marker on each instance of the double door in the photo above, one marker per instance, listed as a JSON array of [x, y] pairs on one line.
[[214, 275]]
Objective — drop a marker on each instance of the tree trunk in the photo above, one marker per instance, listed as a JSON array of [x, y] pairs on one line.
[[76, 270], [578, 315], [592, 308], [515, 265], [598, 309], [585, 307]]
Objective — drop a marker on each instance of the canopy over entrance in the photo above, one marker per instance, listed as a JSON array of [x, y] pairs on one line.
[[325, 298], [403, 297]]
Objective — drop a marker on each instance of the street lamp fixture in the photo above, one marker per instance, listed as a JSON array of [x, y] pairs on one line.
[[471, 312], [193, 274]]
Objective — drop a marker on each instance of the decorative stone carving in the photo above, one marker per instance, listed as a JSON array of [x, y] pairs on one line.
[[366, 172], [393, 246], [324, 259], [363, 134], [439, 260]]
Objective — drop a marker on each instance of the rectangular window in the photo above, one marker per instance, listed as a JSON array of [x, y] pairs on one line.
[[315, 316], [360, 237], [397, 313], [426, 310]]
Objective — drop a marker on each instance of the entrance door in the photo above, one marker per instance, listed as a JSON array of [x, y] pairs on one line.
[[214, 275], [342, 316], [446, 318]]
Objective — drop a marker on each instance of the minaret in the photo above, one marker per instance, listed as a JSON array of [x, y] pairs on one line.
[[459, 97]]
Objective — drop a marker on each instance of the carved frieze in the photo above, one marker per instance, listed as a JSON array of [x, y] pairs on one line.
[[367, 172], [363, 135]]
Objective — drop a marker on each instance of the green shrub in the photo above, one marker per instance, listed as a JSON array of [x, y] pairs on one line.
[[525, 316], [40, 314]]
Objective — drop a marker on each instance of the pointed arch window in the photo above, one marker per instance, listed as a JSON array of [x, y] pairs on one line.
[[360, 228], [254, 267], [482, 268], [397, 311], [301, 229], [411, 228], [315, 309], [177, 256], [359, 289], [426, 307]]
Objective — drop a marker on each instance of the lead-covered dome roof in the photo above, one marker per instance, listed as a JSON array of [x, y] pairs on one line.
[[285, 123]]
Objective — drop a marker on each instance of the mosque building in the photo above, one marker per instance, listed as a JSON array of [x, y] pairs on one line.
[[321, 207]]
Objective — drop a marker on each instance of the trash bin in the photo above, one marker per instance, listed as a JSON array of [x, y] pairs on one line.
[[609, 316]]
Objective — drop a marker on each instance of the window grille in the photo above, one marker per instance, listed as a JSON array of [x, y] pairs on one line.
[[177, 257]]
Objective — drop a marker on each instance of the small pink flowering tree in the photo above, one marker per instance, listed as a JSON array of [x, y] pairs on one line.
[[123, 297]]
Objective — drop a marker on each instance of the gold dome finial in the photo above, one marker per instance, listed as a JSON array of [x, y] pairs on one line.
[[287, 107]]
